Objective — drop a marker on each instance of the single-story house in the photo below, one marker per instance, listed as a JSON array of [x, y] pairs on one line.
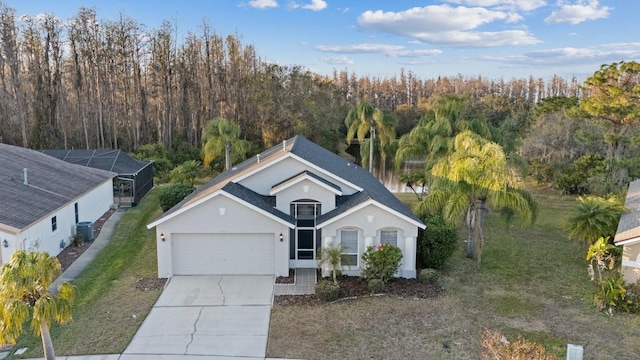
[[628, 234], [274, 212], [135, 177], [42, 200]]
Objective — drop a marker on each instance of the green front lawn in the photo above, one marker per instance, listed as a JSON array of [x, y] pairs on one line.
[[109, 309]]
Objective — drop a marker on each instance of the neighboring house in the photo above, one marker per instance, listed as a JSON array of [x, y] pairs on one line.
[[628, 234], [135, 177], [42, 199], [275, 211]]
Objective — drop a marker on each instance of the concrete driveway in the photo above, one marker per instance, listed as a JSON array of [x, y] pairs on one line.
[[222, 316]]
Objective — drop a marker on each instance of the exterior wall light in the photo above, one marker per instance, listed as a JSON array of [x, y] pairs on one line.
[[5, 243], [281, 237], [162, 236]]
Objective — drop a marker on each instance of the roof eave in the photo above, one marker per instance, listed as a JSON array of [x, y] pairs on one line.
[[365, 204]]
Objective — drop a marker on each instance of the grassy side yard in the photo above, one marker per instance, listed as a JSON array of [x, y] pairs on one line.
[[109, 309], [532, 282]]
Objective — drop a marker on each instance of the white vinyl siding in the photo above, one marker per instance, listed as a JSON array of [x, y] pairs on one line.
[[389, 237], [349, 239]]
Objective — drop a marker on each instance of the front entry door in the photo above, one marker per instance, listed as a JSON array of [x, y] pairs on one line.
[[305, 248]]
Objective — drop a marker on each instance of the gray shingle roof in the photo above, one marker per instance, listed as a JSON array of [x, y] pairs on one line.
[[266, 203], [52, 184], [341, 167], [629, 225], [319, 156]]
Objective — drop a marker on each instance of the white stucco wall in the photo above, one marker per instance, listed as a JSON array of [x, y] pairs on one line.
[[262, 181], [222, 215], [313, 191], [40, 237], [369, 221]]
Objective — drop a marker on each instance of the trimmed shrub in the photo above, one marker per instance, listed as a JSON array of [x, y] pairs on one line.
[[327, 291], [436, 243], [429, 276], [173, 194], [381, 262], [77, 240], [376, 286]]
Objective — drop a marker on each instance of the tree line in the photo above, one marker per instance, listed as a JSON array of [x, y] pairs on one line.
[[87, 82]]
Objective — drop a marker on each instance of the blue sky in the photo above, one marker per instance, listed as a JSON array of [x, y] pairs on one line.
[[492, 38]]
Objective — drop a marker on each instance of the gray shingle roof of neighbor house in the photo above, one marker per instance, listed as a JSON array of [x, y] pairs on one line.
[[629, 224], [372, 188], [51, 184]]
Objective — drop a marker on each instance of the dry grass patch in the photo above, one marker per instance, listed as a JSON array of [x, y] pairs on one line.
[[532, 282]]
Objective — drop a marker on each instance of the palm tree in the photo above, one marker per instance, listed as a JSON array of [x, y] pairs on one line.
[[594, 217], [188, 172], [24, 284], [475, 174], [331, 255], [364, 118], [384, 146], [434, 135], [222, 137]]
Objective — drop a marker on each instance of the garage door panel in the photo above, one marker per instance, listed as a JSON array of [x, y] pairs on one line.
[[206, 254]]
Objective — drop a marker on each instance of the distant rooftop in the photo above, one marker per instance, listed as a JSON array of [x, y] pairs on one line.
[[50, 184]]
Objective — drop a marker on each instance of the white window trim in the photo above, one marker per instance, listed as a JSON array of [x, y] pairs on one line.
[[356, 253], [390, 230]]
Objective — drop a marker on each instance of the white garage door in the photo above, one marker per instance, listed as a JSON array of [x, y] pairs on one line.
[[224, 254]]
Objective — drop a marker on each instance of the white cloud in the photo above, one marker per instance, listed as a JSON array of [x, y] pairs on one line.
[[388, 50], [514, 5], [316, 5], [337, 60], [446, 25], [432, 18], [605, 53], [581, 11], [263, 4], [361, 48], [480, 39]]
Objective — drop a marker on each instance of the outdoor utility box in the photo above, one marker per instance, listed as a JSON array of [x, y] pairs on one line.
[[85, 228], [574, 352]]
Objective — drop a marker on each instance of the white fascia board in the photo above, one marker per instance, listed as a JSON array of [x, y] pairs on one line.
[[631, 241], [325, 172], [630, 263], [265, 213], [11, 230], [310, 164], [227, 195], [182, 210], [288, 184], [365, 204]]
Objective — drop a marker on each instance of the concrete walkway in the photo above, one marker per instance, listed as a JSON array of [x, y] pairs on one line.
[[304, 282], [87, 257]]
